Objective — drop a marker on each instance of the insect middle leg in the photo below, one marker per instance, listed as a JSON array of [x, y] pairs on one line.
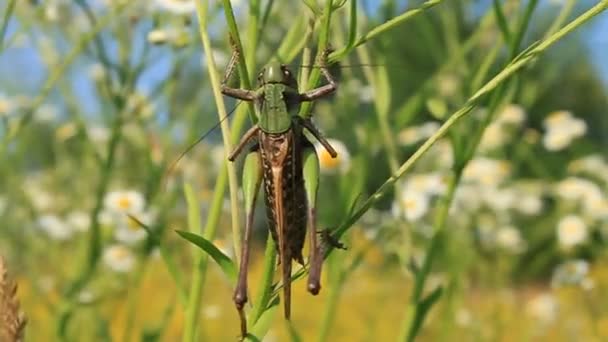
[[310, 163], [252, 178]]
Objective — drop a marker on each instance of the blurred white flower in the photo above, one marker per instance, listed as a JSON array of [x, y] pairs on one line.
[[179, 7], [125, 202], [106, 217], [572, 272], [543, 308], [158, 36], [571, 231], [80, 221], [119, 258], [512, 114], [366, 93], [328, 164], [41, 199], [594, 164], [46, 113], [528, 204], [494, 136], [129, 231], [498, 199], [6, 105], [98, 134], [463, 317], [412, 205], [448, 84], [428, 183], [414, 134], [586, 193], [466, 198], [509, 239], [561, 129], [54, 227], [486, 171]]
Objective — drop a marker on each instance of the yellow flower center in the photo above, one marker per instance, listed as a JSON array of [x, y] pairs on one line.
[[327, 161], [124, 203], [120, 253], [409, 204]]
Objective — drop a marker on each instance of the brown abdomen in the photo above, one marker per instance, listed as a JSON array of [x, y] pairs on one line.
[[284, 151]]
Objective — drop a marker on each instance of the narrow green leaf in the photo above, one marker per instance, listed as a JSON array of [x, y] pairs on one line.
[[293, 333], [225, 263], [174, 271], [501, 20], [260, 328], [422, 309]]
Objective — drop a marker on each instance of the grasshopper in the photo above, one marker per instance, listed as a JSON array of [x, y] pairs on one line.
[[286, 162]]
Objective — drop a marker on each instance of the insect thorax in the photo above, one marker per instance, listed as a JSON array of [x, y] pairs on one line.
[[277, 107]]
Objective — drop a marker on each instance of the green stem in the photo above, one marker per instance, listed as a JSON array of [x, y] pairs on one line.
[[200, 265], [8, 12]]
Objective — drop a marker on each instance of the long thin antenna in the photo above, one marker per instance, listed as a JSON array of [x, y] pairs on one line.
[[171, 167], [346, 66]]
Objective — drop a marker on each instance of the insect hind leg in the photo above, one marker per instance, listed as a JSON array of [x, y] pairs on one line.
[[252, 178], [310, 164]]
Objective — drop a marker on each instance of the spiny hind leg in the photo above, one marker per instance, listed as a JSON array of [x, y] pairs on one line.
[[310, 163], [252, 177]]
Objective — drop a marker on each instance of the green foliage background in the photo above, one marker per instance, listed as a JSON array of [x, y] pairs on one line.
[[117, 90]]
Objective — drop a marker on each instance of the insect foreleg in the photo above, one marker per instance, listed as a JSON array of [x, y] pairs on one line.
[[241, 94], [252, 177], [244, 140], [312, 129], [310, 163], [327, 89]]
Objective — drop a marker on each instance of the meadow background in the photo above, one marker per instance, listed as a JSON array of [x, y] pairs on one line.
[[498, 231]]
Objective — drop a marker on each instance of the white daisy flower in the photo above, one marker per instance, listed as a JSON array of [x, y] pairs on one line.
[[513, 114], [561, 129], [99, 134], [571, 231], [178, 7], [158, 36], [572, 272], [119, 258], [509, 239], [494, 136], [486, 171], [543, 307], [125, 202], [54, 227], [80, 221], [129, 231], [412, 205], [328, 164]]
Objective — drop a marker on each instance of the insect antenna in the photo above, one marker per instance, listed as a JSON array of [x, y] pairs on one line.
[[174, 163], [340, 66]]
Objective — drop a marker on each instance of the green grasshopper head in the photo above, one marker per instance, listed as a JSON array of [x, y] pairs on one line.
[[276, 72]]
